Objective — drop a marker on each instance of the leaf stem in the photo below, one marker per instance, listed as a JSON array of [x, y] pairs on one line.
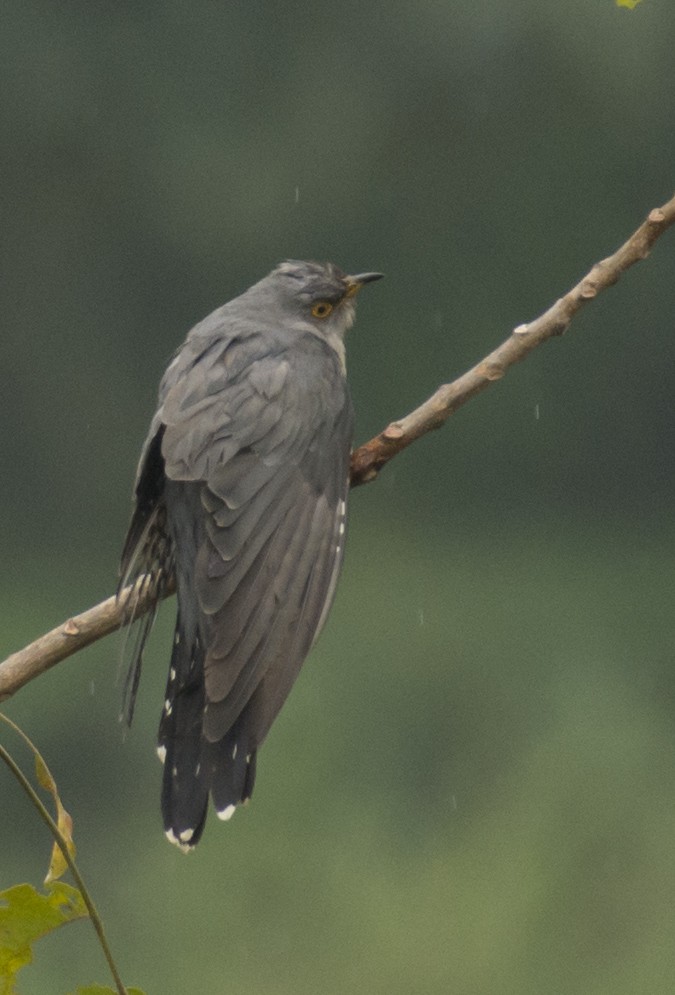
[[63, 846]]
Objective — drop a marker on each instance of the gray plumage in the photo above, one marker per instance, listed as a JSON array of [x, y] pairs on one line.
[[241, 491]]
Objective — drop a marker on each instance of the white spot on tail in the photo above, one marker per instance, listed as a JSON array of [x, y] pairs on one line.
[[227, 813], [197, 770], [178, 842], [234, 752], [161, 753], [172, 674], [168, 708], [176, 639], [186, 835]]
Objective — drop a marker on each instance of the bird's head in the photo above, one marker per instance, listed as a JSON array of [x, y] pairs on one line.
[[319, 293]]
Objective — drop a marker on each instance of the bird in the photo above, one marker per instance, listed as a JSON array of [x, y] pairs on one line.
[[241, 497]]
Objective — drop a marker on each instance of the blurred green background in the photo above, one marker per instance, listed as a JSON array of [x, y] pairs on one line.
[[472, 786]]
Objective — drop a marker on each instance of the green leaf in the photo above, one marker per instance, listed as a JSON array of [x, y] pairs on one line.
[[631, 4], [25, 916]]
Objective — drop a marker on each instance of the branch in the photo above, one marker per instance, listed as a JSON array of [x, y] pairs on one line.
[[76, 633], [367, 460]]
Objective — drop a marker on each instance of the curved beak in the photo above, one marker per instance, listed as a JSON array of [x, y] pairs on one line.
[[354, 283]]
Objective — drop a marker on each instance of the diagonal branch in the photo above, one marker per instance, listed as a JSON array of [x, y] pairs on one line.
[[368, 459], [66, 639]]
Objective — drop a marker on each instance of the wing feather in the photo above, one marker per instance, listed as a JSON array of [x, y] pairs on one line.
[[266, 436], [269, 627]]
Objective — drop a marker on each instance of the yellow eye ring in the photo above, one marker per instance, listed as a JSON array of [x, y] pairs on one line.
[[322, 309]]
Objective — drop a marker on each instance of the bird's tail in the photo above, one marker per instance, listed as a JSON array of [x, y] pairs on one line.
[[232, 769], [193, 766], [185, 786]]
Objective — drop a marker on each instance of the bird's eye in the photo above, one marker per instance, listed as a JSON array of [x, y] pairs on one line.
[[322, 309]]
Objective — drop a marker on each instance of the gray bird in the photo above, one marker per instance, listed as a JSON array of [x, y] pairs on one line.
[[241, 494]]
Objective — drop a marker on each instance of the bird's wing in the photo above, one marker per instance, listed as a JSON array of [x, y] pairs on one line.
[[266, 435], [148, 549], [137, 554]]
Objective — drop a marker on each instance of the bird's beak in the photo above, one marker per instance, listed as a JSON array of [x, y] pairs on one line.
[[354, 283]]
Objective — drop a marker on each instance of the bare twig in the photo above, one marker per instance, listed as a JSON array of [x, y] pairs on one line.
[[367, 460]]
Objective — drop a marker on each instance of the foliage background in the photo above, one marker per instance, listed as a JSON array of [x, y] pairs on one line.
[[472, 788]]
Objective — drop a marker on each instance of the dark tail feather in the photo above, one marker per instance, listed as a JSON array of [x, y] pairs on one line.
[[134, 645], [185, 787], [232, 765], [194, 766]]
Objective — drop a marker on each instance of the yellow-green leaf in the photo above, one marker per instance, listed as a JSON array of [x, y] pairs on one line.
[[631, 4], [57, 863], [25, 916]]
